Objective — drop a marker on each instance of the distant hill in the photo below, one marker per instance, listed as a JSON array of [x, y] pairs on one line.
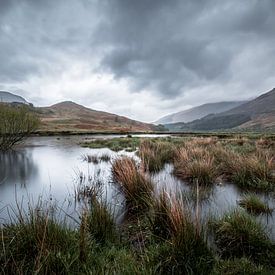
[[8, 97], [69, 116], [199, 112], [257, 114]]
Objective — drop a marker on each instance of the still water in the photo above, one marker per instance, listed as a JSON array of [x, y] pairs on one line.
[[50, 168]]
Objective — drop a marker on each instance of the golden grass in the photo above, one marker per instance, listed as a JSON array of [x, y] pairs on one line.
[[195, 164], [136, 187]]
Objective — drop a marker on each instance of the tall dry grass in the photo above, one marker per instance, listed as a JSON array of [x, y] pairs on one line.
[[136, 187], [185, 249], [195, 164], [155, 154]]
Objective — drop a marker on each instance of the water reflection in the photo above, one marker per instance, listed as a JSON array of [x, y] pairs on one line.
[[17, 167]]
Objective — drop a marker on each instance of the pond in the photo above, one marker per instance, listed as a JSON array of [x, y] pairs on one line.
[[51, 169]]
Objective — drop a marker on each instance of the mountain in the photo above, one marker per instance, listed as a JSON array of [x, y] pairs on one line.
[[199, 112], [257, 114], [8, 97], [69, 116]]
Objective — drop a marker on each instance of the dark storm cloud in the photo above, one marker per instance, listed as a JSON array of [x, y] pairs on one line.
[[174, 45], [166, 47]]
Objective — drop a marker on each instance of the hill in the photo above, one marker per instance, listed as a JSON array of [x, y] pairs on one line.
[[257, 114], [69, 116], [199, 112], [7, 97]]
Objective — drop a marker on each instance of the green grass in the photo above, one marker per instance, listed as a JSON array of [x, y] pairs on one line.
[[115, 144], [242, 266], [39, 244], [253, 204], [182, 247], [237, 235], [165, 235], [100, 222]]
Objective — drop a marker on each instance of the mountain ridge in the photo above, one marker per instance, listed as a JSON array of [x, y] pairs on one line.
[[199, 111], [8, 97], [71, 116], [256, 114]]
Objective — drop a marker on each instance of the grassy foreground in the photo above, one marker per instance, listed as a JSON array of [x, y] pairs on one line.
[[164, 239], [160, 234]]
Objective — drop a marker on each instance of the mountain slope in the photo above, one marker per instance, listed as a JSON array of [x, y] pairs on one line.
[[257, 114], [69, 116], [265, 103], [8, 97], [199, 112]]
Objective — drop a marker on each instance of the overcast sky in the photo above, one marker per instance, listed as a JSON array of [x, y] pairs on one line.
[[138, 58]]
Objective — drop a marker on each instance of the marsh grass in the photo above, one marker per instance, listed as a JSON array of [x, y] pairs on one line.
[[136, 187], [115, 144], [253, 204], [37, 243], [195, 164], [183, 248], [101, 222], [252, 172], [242, 266], [237, 234], [87, 187], [155, 154], [91, 158], [105, 158]]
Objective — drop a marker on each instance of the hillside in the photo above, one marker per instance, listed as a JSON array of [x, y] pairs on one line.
[[69, 116], [199, 112], [257, 114], [8, 97]]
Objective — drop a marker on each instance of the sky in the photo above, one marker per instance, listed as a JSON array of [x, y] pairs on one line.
[[139, 58]]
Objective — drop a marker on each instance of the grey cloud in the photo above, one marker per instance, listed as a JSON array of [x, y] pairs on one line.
[[165, 47]]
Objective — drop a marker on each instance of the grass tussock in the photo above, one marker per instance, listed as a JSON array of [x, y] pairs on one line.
[[237, 234], [136, 187], [253, 204], [251, 172], [195, 164], [38, 244], [155, 154], [100, 222], [184, 249]]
